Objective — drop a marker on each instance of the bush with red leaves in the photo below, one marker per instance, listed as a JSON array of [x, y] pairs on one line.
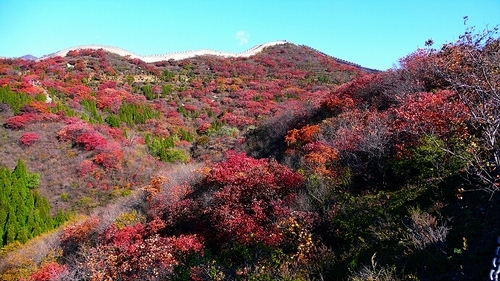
[[110, 156], [438, 113], [136, 253], [75, 235], [20, 121], [73, 129], [28, 138], [91, 140], [250, 199], [86, 167], [50, 272]]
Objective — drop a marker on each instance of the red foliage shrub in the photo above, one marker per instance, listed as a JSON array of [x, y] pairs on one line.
[[50, 272], [131, 253], [20, 121], [110, 98], [357, 130], [115, 133], [248, 203], [91, 140], [318, 159], [337, 104], [177, 214], [73, 129], [79, 92], [110, 156], [107, 84], [75, 235], [203, 128], [430, 113], [190, 107], [29, 138], [173, 114], [86, 167], [365, 91], [234, 120], [41, 107]]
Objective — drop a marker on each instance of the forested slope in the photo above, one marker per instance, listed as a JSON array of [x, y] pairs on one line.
[[286, 165]]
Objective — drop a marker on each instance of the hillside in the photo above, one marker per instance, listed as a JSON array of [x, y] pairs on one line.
[[204, 104], [278, 163]]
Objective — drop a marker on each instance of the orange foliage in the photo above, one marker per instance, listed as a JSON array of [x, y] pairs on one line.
[[319, 158], [41, 107], [154, 186], [337, 104], [298, 137]]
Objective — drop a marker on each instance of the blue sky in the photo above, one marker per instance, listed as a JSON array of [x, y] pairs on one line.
[[373, 33]]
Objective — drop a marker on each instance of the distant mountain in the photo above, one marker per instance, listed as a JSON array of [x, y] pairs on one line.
[[28, 57]]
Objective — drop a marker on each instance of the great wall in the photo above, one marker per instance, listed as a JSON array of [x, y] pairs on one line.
[[168, 56], [189, 54]]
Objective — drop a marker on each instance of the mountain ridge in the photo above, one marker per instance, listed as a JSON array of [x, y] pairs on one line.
[[167, 56], [191, 53]]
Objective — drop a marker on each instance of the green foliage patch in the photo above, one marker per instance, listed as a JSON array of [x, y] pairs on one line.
[[24, 213]]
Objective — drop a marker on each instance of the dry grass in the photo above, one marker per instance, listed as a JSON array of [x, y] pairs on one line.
[[426, 231], [374, 272]]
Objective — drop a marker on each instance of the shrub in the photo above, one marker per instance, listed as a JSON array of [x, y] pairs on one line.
[[248, 202], [173, 155], [15, 100], [86, 167], [129, 218], [91, 140], [49, 272], [110, 156], [73, 129], [426, 231], [131, 253], [20, 121], [29, 138], [374, 272], [81, 233]]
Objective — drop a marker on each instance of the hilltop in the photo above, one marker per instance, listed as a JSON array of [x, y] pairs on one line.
[[168, 56], [277, 163], [176, 55]]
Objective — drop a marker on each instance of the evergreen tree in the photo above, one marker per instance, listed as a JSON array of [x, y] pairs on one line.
[[20, 172], [60, 218], [32, 180], [5, 190], [17, 203], [37, 229], [30, 224], [24, 213], [11, 227], [22, 235], [42, 205]]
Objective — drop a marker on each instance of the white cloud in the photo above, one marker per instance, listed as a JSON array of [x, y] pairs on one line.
[[242, 37]]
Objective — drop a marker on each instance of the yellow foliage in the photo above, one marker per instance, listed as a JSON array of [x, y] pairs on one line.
[[129, 218]]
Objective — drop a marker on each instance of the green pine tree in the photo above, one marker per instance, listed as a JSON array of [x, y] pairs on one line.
[[22, 235], [30, 224], [5, 191], [11, 227], [20, 171], [37, 229], [42, 205], [24, 213]]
